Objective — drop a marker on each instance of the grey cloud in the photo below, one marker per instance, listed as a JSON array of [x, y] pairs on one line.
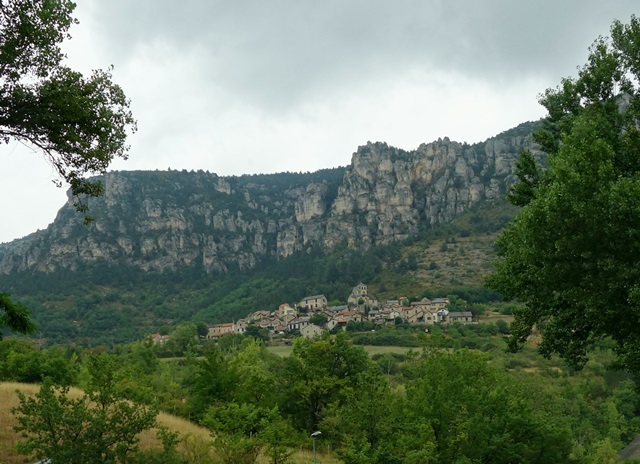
[[277, 53]]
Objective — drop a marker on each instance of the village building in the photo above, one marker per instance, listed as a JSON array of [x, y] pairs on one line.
[[439, 303], [392, 313], [442, 316], [336, 309], [464, 317], [350, 315], [159, 339], [218, 330], [311, 331], [298, 323], [287, 318], [257, 315], [240, 326], [285, 310], [412, 313], [313, 302], [414, 316], [266, 323], [423, 303], [430, 317], [360, 297], [333, 323]]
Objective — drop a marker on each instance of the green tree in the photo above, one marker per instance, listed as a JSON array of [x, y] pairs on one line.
[[216, 380], [279, 439], [98, 427], [14, 316], [237, 428], [22, 362], [529, 174], [256, 332], [319, 319], [462, 409], [318, 373], [80, 123], [571, 253], [367, 425], [202, 329], [183, 338]]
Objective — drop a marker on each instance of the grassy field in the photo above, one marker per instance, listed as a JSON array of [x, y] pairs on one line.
[[8, 438], [370, 349], [195, 445]]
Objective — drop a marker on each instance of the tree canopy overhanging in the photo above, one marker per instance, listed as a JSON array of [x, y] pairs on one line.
[[79, 123], [572, 252]]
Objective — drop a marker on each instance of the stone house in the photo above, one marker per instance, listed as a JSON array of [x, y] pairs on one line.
[[424, 303], [285, 310], [258, 315], [414, 316], [360, 293], [463, 317], [298, 323], [442, 316], [439, 303], [218, 330], [311, 331], [159, 339], [392, 313], [410, 314], [332, 323], [430, 317], [240, 326], [314, 302], [350, 315]]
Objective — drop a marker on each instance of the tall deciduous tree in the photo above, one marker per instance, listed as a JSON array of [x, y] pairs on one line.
[[318, 373], [79, 123], [463, 409], [572, 252]]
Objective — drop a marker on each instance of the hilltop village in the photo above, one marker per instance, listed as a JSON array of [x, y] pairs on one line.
[[311, 316]]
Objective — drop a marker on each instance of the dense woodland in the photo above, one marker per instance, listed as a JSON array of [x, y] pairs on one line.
[[107, 304], [456, 397]]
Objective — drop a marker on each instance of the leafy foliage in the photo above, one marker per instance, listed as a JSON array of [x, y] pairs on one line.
[[436, 404], [98, 427], [571, 253], [14, 316], [80, 123]]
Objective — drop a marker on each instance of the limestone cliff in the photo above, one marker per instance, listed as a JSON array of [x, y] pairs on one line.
[[159, 220]]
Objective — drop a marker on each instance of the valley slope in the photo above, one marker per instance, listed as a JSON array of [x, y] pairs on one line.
[[173, 245]]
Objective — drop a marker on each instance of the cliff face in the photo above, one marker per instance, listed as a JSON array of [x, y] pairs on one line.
[[159, 220]]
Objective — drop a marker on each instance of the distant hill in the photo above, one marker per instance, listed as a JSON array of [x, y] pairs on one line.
[[174, 245]]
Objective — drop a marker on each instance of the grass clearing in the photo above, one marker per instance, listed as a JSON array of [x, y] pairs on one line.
[[286, 350], [9, 438], [196, 443]]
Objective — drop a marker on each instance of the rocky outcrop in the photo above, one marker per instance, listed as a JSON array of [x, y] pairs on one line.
[[162, 220]]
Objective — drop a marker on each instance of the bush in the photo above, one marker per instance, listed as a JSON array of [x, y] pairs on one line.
[[503, 327]]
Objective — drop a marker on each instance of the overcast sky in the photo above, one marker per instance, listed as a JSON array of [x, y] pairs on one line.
[[263, 86]]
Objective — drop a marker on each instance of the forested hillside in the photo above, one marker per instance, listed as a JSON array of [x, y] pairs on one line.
[[105, 304], [170, 246]]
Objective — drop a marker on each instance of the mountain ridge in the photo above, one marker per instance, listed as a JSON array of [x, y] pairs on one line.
[[158, 220], [170, 246]]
